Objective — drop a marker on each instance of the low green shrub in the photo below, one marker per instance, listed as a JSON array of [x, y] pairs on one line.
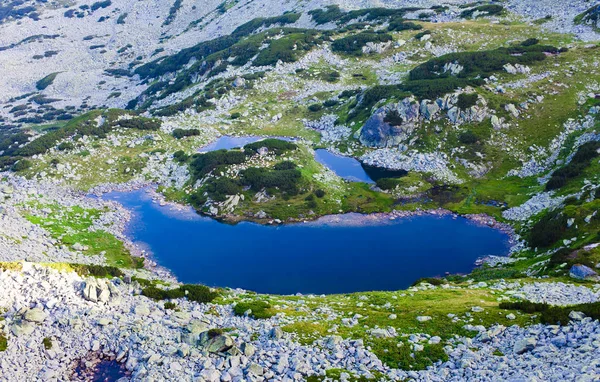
[[580, 161], [353, 44], [260, 309], [315, 107], [465, 101], [202, 164], [47, 342], [468, 138], [197, 293], [180, 156], [276, 146], [548, 230], [182, 133], [553, 315], [387, 183], [96, 270], [22, 165], [429, 280], [65, 146], [139, 124]]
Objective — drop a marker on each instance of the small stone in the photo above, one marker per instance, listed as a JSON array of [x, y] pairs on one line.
[[524, 345], [35, 315]]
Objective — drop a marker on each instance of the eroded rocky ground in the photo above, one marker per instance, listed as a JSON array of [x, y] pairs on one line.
[[482, 109]]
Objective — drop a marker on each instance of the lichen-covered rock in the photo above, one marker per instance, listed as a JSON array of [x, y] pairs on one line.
[[582, 272]]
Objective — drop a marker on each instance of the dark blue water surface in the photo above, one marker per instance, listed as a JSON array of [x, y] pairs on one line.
[[307, 257], [345, 167]]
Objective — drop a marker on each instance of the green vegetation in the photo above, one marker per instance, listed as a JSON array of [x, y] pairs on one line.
[[202, 164], [47, 342], [591, 16], [285, 180], [554, 315], [95, 270], [70, 226], [465, 101], [580, 161], [257, 309], [276, 146], [100, 4], [197, 293], [46, 81], [21, 165], [182, 133], [434, 78], [353, 44], [483, 10], [333, 13], [3, 342]]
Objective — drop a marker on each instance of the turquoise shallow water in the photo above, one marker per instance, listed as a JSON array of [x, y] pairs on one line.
[[308, 257]]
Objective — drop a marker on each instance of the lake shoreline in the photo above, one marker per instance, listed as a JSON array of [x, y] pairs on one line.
[[185, 212]]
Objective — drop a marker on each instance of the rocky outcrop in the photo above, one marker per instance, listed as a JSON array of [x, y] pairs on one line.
[[99, 290], [378, 133], [582, 272], [392, 125]]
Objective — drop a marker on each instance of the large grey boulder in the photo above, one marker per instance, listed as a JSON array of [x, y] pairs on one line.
[[582, 272], [524, 345], [378, 133], [214, 342]]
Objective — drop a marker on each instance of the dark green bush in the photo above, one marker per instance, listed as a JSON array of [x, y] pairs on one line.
[[139, 124], [259, 178], [220, 188], [486, 10], [468, 138], [393, 118], [202, 164], [465, 101], [315, 107], [554, 315], [319, 193], [182, 133], [46, 81], [548, 230], [285, 165], [387, 183], [47, 342], [277, 146], [353, 44], [330, 103], [21, 165], [580, 161], [180, 156], [197, 293], [64, 146], [100, 4], [400, 25], [97, 270]]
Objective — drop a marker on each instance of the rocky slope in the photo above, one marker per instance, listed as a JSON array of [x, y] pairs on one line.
[[485, 110]]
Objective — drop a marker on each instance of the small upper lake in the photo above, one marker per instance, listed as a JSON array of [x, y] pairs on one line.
[[345, 167], [307, 257]]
